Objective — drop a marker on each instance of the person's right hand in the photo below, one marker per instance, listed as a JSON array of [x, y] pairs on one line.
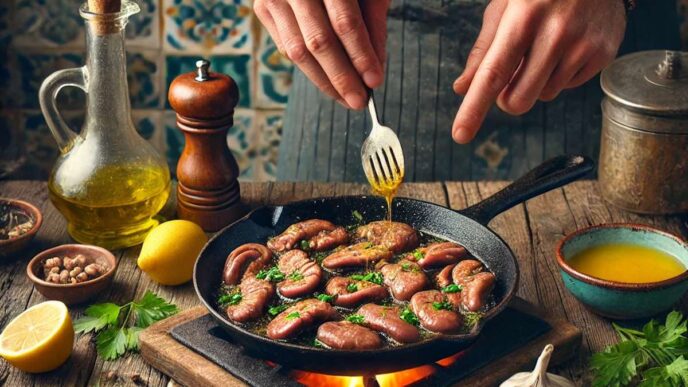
[[338, 44]]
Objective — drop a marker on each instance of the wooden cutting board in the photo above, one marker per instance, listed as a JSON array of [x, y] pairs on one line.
[[187, 367]]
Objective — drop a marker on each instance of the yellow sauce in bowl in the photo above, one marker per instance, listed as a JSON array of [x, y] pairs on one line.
[[627, 263]]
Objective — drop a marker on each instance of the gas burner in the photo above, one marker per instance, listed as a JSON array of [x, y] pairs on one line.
[[505, 333]]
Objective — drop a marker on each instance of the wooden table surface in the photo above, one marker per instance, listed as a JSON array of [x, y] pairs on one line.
[[532, 230]]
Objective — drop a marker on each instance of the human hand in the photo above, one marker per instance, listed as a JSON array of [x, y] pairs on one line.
[[338, 44], [533, 49]]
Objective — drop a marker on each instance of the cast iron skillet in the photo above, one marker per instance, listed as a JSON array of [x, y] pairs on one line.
[[467, 227]]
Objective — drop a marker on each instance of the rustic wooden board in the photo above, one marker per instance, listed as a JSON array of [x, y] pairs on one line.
[[185, 366]]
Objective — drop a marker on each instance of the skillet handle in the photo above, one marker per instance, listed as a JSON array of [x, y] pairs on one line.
[[551, 174]]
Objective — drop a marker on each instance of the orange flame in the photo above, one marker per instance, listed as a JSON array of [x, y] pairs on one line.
[[400, 378]]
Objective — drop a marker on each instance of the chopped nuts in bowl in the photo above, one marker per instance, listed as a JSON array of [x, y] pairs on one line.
[[72, 273]]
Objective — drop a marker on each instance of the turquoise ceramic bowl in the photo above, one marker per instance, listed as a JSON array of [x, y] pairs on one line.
[[622, 300]]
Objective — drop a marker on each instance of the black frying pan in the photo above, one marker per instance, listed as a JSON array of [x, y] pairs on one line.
[[467, 227]]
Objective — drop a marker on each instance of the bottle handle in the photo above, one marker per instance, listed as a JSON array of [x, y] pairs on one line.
[[47, 97]]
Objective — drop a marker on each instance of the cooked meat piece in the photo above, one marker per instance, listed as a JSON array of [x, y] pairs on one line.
[[358, 255], [326, 240], [364, 292], [320, 234], [403, 278], [255, 295], [386, 319], [300, 317], [396, 236], [477, 284], [444, 279], [438, 254], [430, 307], [347, 335], [302, 275], [246, 259]]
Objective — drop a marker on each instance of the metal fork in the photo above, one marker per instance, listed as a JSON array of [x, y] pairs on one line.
[[381, 154]]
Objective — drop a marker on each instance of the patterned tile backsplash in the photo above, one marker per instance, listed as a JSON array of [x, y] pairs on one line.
[[39, 37]]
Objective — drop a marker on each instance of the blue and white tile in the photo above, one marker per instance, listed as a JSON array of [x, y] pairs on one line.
[[236, 66], [240, 139], [149, 125], [207, 26], [144, 75], [143, 29], [48, 23], [274, 75], [268, 129], [174, 140], [32, 68]]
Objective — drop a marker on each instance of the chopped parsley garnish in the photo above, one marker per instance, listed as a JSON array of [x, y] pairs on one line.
[[295, 276], [324, 297], [355, 318], [453, 288], [444, 305], [275, 310], [272, 275], [470, 319], [229, 299], [320, 256], [293, 315], [305, 245], [408, 316], [406, 266], [352, 287], [418, 255], [373, 276], [357, 215], [317, 343]]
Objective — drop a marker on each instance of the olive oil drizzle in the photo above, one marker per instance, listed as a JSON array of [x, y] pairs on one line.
[[387, 188]]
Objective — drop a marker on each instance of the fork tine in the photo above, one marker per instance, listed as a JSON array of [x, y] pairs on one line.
[[394, 159], [372, 171], [381, 167], [388, 169]]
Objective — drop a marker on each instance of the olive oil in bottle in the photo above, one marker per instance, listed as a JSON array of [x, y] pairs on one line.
[[114, 207]]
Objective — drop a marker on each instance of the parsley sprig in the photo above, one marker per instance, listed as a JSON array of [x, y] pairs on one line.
[[444, 305], [373, 276], [117, 327], [655, 356], [355, 318], [452, 288], [408, 316], [273, 274]]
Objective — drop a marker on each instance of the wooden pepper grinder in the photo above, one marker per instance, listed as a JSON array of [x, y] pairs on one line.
[[208, 190]]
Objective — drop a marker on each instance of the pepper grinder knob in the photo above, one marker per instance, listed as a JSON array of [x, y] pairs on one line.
[[208, 191]]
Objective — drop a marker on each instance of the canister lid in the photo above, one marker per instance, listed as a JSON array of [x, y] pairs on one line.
[[654, 82]]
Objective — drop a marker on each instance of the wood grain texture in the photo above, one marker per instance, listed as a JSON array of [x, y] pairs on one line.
[[531, 230], [164, 353]]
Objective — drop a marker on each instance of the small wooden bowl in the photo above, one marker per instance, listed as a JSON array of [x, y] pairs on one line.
[[621, 300], [15, 245], [72, 294]]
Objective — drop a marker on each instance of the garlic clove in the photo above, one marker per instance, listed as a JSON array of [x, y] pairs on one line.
[[539, 376]]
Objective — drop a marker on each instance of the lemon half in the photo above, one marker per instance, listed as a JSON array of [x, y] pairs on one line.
[[40, 339]]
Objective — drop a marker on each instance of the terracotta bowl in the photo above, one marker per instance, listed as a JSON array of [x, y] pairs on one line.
[[621, 300], [72, 294], [15, 245]]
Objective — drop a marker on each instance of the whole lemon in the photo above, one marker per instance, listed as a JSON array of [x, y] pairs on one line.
[[170, 250]]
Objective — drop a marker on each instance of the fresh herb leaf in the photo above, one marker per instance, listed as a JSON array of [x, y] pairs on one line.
[[444, 305], [324, 297], [273, 274], [293, 315], [352, 287], [275, 310], [117, 327], [152, 308], [305, 245], [357, 215], [406, 266], [97, 317], [418, 255], [452, 288], [373, 276], [355, 318], [230, 299], [317, 343], [471, 319], [408, 316], [295, 276], [319, 256], [654, 356]]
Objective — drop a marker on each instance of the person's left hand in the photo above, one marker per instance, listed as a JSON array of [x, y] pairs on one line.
[[533, 49]]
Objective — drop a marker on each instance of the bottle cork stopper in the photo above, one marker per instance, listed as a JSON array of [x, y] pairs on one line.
[[104, 7]]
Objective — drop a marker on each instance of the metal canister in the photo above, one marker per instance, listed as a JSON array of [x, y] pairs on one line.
[[644, 146]]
